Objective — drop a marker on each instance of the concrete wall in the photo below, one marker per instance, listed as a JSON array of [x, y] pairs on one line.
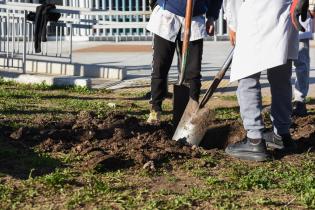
[[66, 69]]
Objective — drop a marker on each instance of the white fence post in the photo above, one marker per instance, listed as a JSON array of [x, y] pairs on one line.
[[24, 43]]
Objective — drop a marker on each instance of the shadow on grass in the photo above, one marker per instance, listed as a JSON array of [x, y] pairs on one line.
[[34, 112], [21, 162], [87, 98], [221, 135], [304, 145]]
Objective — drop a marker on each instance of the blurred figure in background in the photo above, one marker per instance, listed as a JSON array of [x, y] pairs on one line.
[[302, 65]]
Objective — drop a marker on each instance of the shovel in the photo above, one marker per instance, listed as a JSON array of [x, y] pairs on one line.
[[194, 122], [181, 91]]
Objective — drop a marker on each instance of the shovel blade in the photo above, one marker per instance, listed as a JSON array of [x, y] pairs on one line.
[[193, 124], [180, 101]]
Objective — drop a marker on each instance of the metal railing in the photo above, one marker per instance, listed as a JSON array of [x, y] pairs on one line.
[[114, 18], [107, 23], [16, 33], [17, 41], [14, 27], [17, 37]]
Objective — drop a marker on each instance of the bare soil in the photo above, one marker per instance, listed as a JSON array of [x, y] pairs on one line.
[[119, 141]]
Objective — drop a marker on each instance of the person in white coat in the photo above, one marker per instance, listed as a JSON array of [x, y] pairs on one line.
[[302, 66], [266, 39]]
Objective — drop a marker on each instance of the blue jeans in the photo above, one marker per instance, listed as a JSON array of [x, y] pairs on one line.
[[302, 70], [250, 101]]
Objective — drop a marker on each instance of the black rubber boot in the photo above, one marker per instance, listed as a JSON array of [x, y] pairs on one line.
[[249, 149], [282, 142], [299, 109]]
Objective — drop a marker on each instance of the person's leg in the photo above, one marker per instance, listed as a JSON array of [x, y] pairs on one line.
[[302, 69], [193, 75], [281, 107], [253, 147], [163, 52], [250, 102], [281, 93]]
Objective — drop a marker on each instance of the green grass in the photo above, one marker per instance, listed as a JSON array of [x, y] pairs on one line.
[[223, 189], [56, 180], [54, 102], [227, 113], [229, 97]]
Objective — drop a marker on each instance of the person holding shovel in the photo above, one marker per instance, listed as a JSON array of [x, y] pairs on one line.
[[167, 23], [266, 39]]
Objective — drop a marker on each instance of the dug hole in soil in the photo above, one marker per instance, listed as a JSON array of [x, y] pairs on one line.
[[119, 141]]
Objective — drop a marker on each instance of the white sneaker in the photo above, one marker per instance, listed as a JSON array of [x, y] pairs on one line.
[[154, 117]]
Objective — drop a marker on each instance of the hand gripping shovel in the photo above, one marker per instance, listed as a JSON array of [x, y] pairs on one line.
[[181, 91], [194, 122]]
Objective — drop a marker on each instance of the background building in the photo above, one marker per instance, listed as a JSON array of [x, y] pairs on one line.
[[115, 26]]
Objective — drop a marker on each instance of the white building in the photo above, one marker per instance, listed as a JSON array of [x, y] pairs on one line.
[[112, 27]]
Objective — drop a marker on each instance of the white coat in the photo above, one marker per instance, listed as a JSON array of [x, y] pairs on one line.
[[265, 37], [231, 9]]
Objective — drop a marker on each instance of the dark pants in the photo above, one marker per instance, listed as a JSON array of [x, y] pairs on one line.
[[163, 53]]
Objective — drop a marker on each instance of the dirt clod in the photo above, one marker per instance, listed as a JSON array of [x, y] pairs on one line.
[[16, 135], [149, 166]]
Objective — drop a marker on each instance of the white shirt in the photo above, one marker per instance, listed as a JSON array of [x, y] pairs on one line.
[[167, 25], [231, 9]]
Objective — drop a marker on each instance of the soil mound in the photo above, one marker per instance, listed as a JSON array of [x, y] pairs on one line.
[[120, 141], [117, 141]]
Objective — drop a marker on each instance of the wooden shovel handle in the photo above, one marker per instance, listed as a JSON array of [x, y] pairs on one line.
[[185, 49]]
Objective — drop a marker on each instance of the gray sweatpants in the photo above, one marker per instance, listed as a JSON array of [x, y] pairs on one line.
[[250, 101]]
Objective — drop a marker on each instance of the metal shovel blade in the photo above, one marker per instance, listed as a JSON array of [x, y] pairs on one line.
[[193, 124], [180, 101], [195, 120]]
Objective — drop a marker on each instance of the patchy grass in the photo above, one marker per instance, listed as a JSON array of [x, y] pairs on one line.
[[227, 113], [31, 179], [229, 97]]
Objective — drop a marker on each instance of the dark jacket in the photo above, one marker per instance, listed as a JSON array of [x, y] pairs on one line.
[[209, 7], [41, 17]]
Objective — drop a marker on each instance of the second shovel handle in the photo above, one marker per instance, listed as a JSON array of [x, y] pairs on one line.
[[216, 81]]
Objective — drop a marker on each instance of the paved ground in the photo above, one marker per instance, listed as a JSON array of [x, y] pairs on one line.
[[136, 57], [138, 62]]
